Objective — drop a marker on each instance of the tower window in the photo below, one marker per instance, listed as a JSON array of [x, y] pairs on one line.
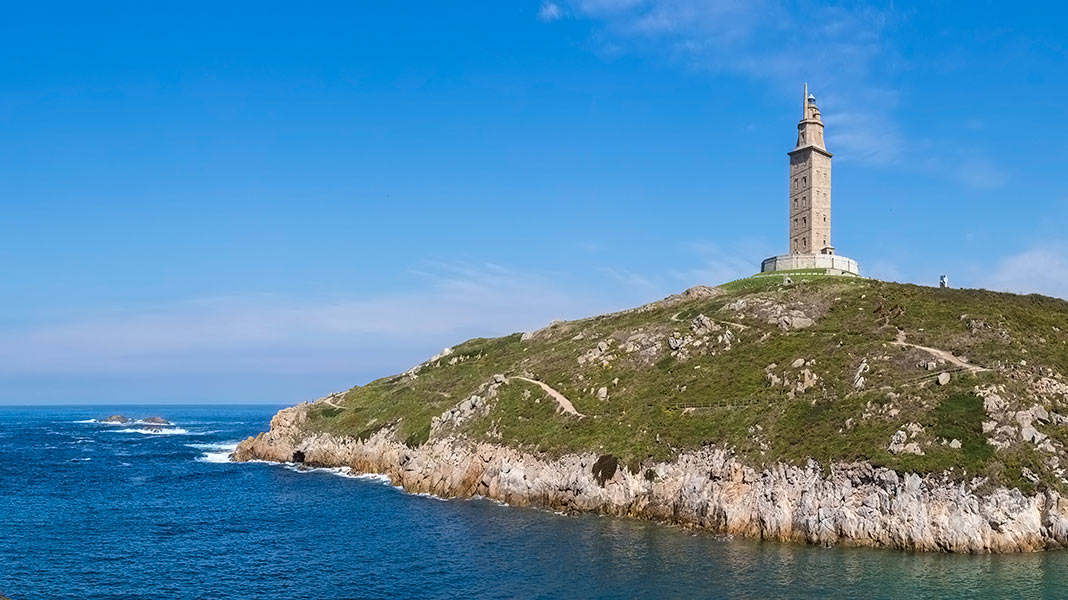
[[804, 242], [804, 180], [804, 220], [795, 202]]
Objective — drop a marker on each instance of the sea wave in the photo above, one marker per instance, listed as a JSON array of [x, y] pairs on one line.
[[127, 423], [214, 457], [217, 452], [159, 431], [345, 472]]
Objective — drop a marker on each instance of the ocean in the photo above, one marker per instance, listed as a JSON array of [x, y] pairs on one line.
[[96, 511]]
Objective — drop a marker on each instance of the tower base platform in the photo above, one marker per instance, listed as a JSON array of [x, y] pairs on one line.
[[834, 264]]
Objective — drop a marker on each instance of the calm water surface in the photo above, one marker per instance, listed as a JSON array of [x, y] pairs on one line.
[[96, 511]]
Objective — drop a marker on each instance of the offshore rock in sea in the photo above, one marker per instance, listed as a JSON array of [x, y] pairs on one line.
[[117, 419], [848, 503]]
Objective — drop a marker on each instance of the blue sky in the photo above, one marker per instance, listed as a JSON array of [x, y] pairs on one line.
[[267, 202]]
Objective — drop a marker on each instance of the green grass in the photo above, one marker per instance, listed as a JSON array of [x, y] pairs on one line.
[[661, 406]]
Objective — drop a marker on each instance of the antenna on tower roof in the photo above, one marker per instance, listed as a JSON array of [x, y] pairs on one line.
[[804, 103]]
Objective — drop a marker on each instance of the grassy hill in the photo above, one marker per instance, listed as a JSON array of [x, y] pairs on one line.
[[815, 367]]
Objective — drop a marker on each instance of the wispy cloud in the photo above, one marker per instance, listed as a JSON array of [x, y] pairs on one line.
[[1042, 270], [843, 50], [550, 11], [445, 303], [716, 265], [453, 302]]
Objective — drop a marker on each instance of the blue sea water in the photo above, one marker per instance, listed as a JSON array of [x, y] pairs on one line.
[[103, 511]]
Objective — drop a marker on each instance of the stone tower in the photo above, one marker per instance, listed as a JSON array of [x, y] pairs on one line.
[[810, 203], [810, 185]]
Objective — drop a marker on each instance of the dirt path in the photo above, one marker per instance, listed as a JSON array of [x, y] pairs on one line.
[[330, 401], [564, 404], [944, 355], [675, 318]]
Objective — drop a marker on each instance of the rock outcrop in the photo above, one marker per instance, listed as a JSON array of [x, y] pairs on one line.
[[847, 503]]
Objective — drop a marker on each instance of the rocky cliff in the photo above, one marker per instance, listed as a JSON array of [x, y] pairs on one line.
[[850, 503], [821, 410]]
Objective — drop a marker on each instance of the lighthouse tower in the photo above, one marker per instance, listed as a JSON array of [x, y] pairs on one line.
[[809, 208]]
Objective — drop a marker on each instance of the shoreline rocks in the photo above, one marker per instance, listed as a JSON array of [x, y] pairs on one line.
[[853, 504]]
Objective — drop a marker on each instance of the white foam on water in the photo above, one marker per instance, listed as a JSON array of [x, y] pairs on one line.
[[127, 423], [218, 452], [426, 495], [81, 459], [345, 472], [214, 446], [161, 431], [214, 457], [490, 500]]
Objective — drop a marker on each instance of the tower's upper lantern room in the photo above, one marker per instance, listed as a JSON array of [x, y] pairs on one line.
[[810, 128], [811, 110]]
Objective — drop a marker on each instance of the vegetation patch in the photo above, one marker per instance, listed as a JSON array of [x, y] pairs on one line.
[[960, 417], [725, 369]]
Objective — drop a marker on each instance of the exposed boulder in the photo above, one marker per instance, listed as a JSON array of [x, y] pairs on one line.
[[119, 419], [795, 321], [899, 444], [599, 355], [858, 376], [702, 325], [156, 421]]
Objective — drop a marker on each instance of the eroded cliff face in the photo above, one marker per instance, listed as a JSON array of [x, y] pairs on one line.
[[852, 504]]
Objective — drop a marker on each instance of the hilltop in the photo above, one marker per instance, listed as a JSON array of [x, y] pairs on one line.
[[773, 376]]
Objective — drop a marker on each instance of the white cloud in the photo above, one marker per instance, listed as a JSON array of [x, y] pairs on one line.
[[381, 333], [1042, 270], [867, 137], [842, 51], [272, 332], [716, 265], [550, 11]]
